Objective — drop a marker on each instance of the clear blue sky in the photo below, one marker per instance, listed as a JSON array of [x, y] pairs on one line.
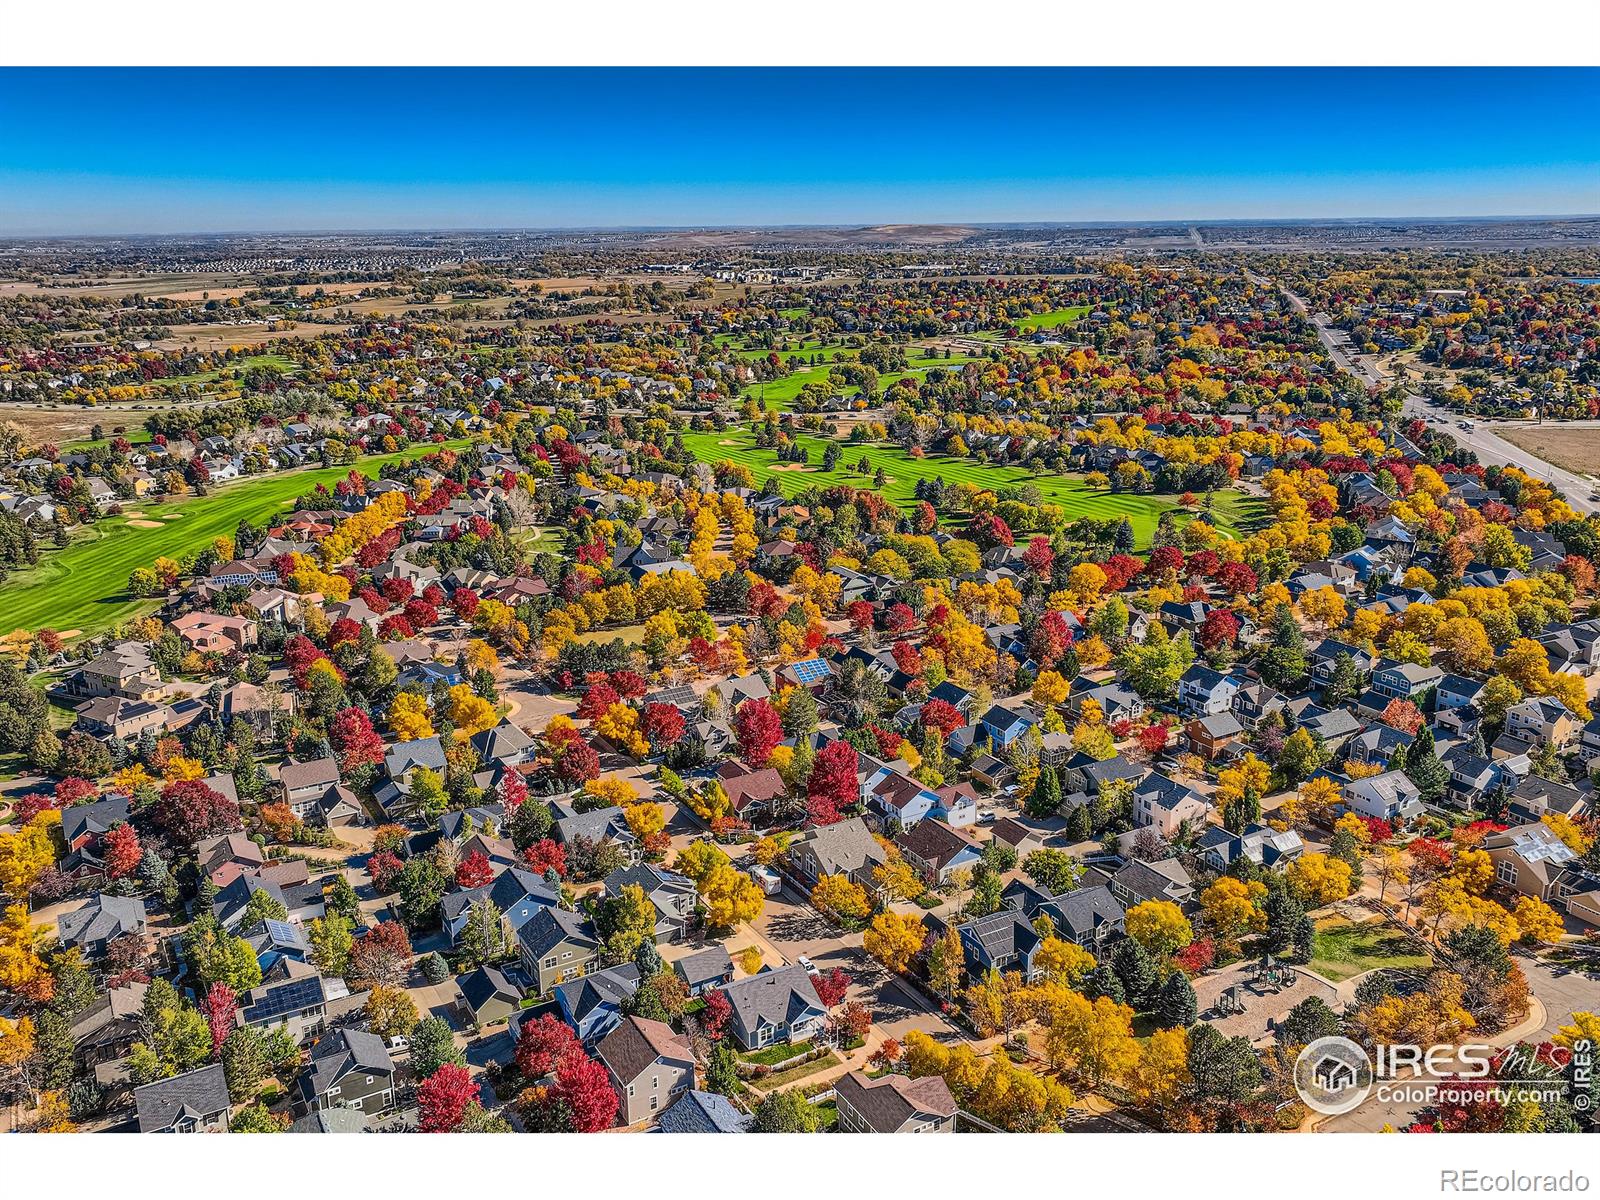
[[159, 150]]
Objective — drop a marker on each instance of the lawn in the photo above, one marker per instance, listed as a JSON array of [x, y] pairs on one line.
[[279, 361], [1342, 950], [1233, 509], [1054, 318], [771, 1055], [84, 587]]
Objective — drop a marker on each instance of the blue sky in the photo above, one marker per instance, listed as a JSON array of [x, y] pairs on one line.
[[196, 150]]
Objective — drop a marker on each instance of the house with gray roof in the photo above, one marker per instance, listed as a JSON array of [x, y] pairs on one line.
[[592, 1005], [894, 1104], [100, 922], [350, 1068], [555, 946], [775, 1006], [702, 1112], [194, 1102], [843, 848]]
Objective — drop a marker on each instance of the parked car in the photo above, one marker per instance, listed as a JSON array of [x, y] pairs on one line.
[[767, 879]]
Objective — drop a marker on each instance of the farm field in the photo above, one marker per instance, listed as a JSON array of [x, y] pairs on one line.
[[84, 587], [1234, 510]]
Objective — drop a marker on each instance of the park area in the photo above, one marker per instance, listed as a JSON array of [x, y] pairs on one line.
[[1343, 949], [1233, 513], [82, 589]]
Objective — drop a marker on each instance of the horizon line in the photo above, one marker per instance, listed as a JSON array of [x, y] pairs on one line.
[[757, 227]]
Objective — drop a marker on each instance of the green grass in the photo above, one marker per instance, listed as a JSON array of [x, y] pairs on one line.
[[782, 1052], [1341, 950], [280, 361], [800, 1071], [84, 586], [1054, 318], [1233, 510]]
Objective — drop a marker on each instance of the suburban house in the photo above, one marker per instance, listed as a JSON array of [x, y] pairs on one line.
[[1164, 804], [1163, 880], [845, 848], [673, 896], [650, 1067], [195, 1102], [1542, 720], [705, 969], [555, 946], [1390, 797], [101, 921], [775, 1006], [350, 1068], [894, 1104], [702, 1112], [1533, 861], [592, 1005], [1002, 726], [937, 851], [1204, 691], [488, 997], [1214, 736]]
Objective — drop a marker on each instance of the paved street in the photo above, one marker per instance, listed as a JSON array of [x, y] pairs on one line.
[[1491, 449]]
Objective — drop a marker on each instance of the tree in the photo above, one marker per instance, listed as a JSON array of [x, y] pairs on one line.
[[217, 956], [356, 744], [626, 921], [1222, 1070], [892, 939], [1231, 908], [730, 897], [758, 728], [543, 1043], [898, 880], [1135, 971], [1319, 879], [474, 871], [244, 1062], [331, 943], [1062, 961], [188, 811], [840, 896], [832, 786], [785, 1112], [583, 1088], [1045, 799], [1055, 871], [121, 851], [442, 1099], [220, 1007], [382, 955], [1307, 1021], [390, 1011], [1175, 1003], [1161, 1077], [258, 1118], [1159, 926], [431, 1046], [1300, 756]]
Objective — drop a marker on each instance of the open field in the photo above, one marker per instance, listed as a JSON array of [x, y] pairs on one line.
[[85, 585], [1054, 318], [70, 423], [1572, 448], [253, 333], [1343, 951], [279, 361], [1234, 510]]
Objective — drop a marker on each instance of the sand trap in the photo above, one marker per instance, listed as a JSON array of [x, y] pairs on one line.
[[728, 442], [145, 524], [172, 516], [69, 633], [791, 467], [133, 514]]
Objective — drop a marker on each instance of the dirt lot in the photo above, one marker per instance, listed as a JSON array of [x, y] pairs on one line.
[[70, 423], [1572, 448]]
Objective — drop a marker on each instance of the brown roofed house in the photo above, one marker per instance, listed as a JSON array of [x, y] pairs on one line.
[[894, 1104]]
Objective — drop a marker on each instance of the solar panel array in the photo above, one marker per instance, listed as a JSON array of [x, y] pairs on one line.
[[812, 670], [284, 933], [291, 997], [1538, 849]]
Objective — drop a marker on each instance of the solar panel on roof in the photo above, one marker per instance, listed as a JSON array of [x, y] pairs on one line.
[[291, 997], [812, 670], [282, 931]]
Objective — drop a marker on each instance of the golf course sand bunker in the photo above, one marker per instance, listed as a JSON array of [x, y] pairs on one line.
[[728, 442], [791, 467], [143, 524]]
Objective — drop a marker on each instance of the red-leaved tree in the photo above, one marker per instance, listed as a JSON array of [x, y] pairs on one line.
[[221, 1009], [759, 729], [831, 986], [475, 870], [121, 851], [443, 1097], [542, 1044], [584, 1086], [547, 855], [189, 811]]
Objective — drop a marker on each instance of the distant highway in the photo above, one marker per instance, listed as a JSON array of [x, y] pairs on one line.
[[1490, 448]]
